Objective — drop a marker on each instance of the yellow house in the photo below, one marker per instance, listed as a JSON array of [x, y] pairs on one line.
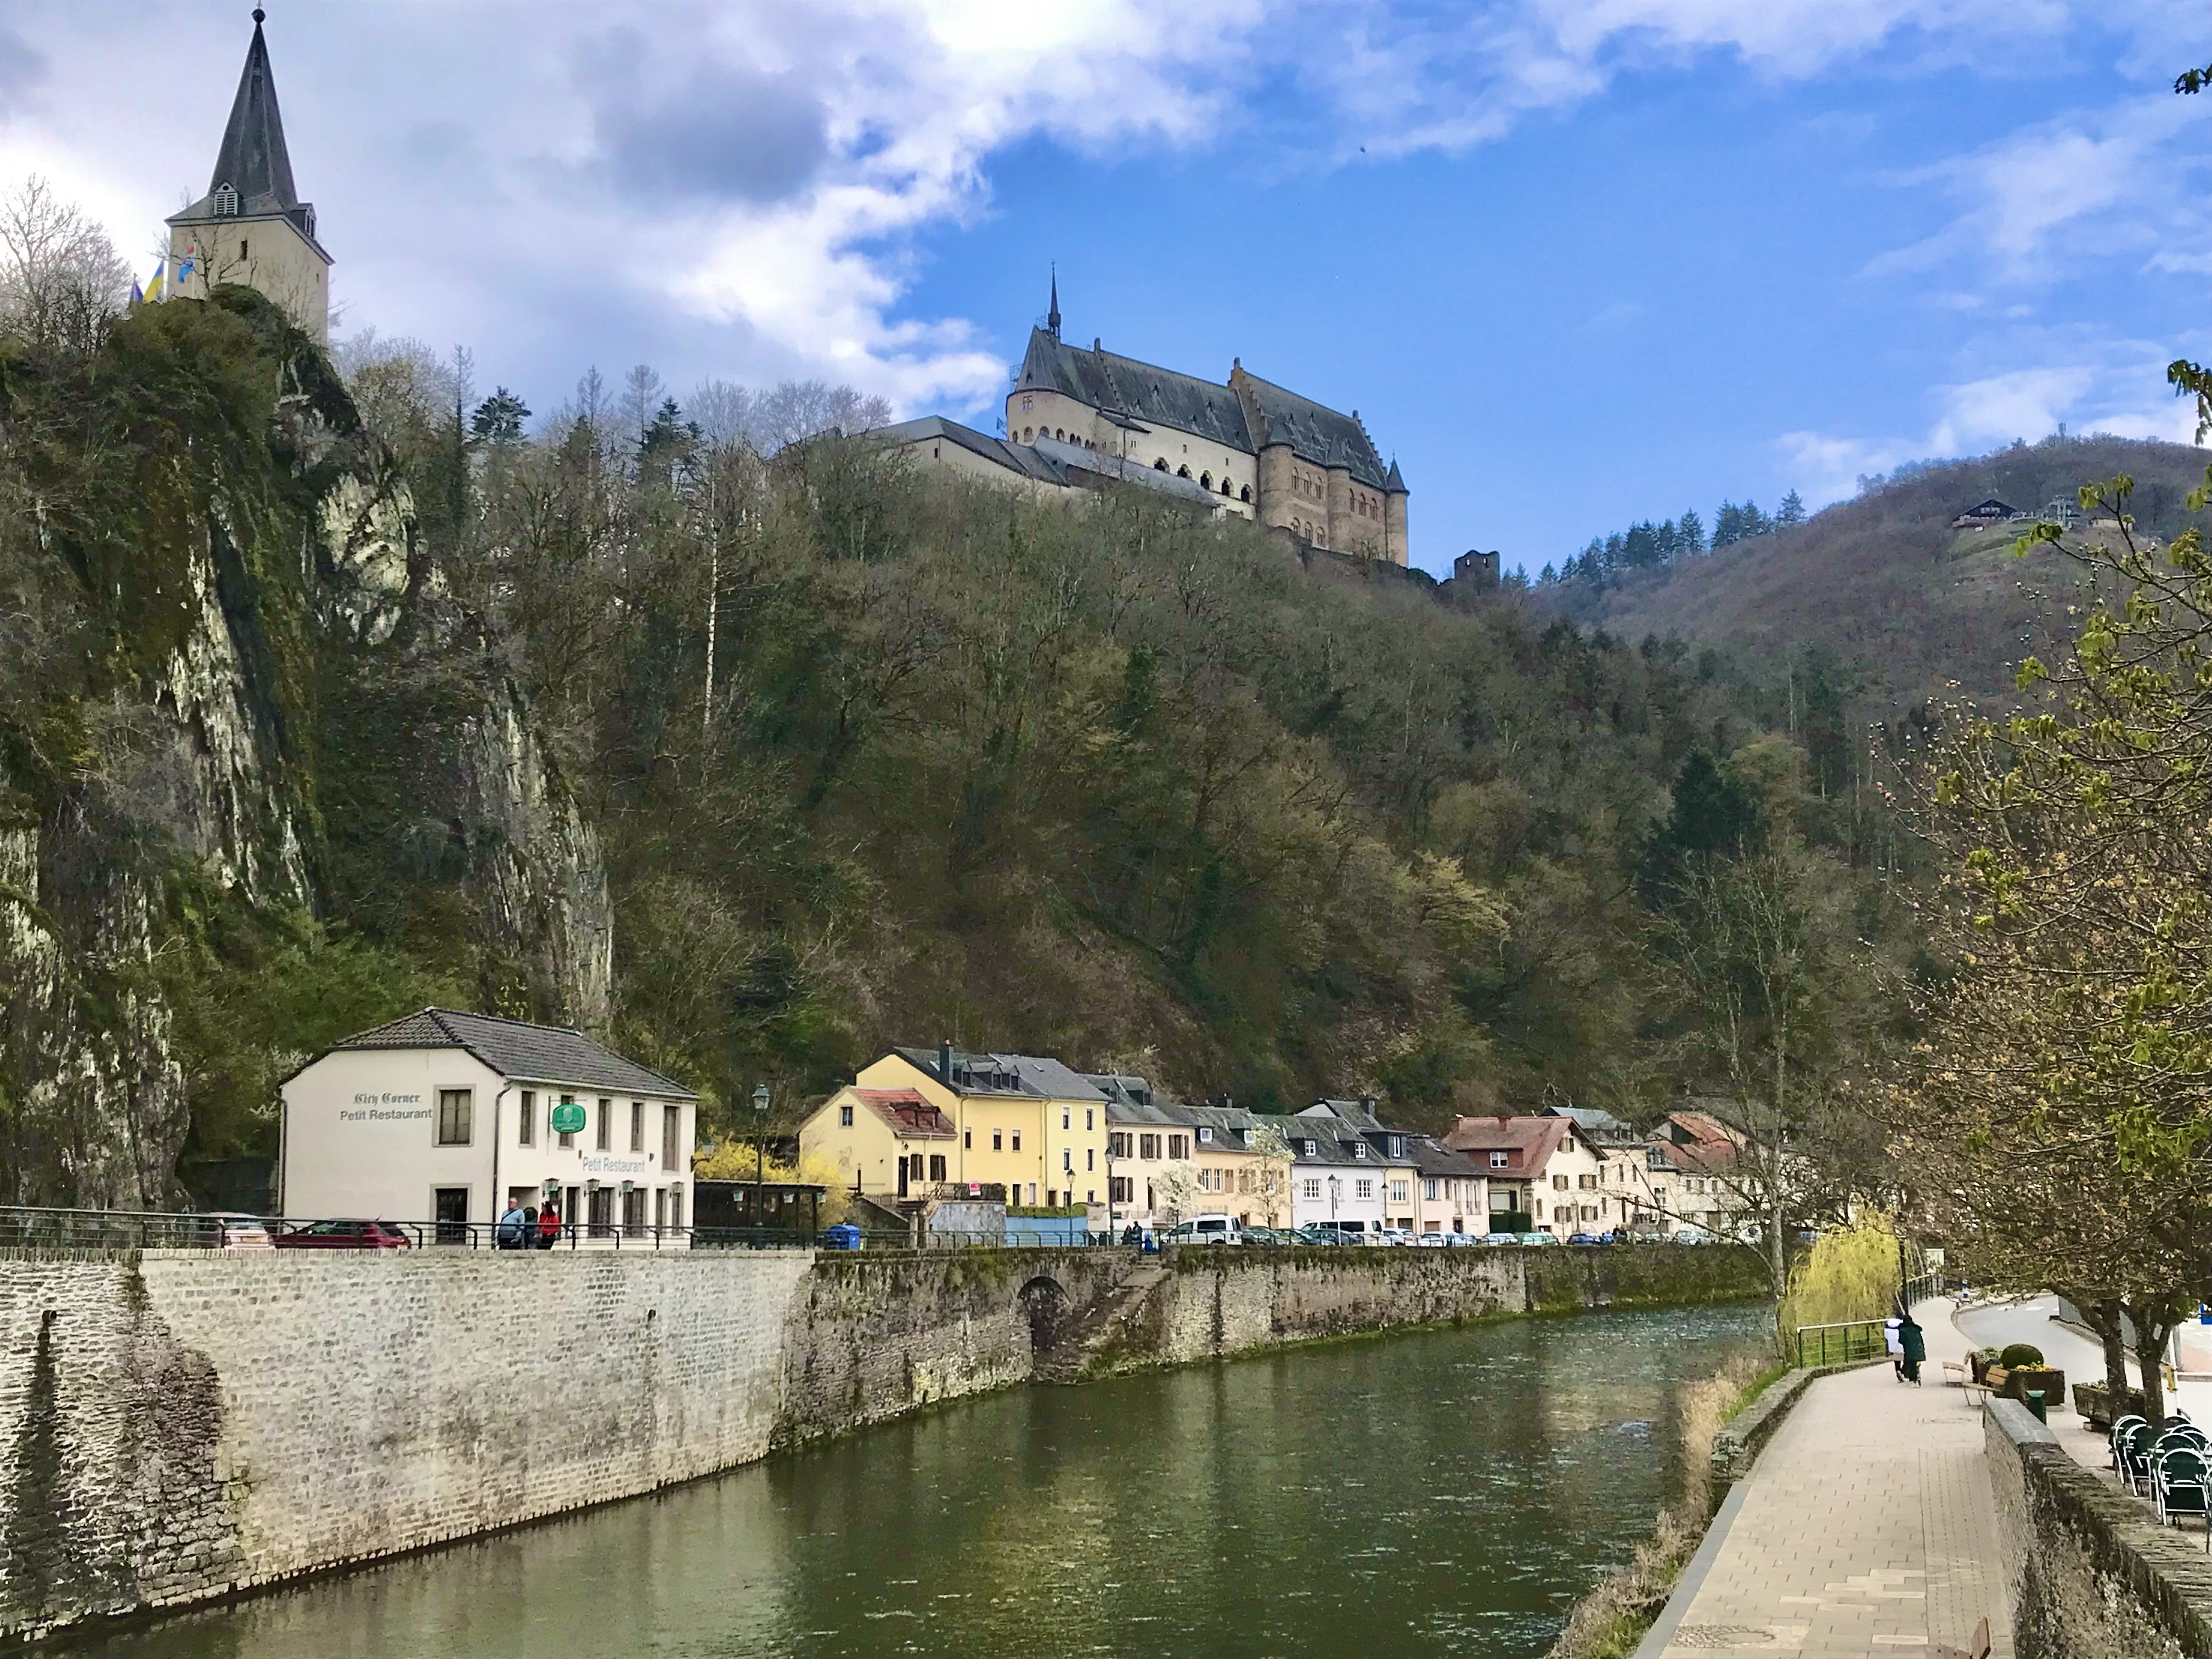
[[883, 1140], [1023, 1121]]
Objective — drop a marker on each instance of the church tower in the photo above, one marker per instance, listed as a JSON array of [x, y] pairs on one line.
[[251, 227]]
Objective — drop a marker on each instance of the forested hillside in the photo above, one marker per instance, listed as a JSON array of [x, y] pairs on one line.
[[763, 764], [1877, 599]]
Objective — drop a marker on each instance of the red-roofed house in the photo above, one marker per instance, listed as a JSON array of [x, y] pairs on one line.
[[1689, 1174], [1543, 1168], [883, 1140]]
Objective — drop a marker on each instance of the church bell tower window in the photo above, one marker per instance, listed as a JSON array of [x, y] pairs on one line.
[[226, 201]]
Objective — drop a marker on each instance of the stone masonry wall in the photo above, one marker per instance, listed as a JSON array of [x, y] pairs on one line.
[[177, 1425], [2094, 1574]]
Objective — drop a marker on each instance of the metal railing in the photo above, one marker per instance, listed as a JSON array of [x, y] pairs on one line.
[[1840, 1344]]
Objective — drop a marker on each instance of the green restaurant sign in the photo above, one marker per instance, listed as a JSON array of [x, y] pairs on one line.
[[568, 1118]]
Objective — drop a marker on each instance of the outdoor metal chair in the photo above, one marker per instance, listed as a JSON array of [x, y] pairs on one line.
[[2121, 1428], [2135, 1457], [2178, 1487]]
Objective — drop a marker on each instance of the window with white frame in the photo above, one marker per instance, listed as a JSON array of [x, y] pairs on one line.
[[1312, 1188], [456, 1107], [1365, 1188]]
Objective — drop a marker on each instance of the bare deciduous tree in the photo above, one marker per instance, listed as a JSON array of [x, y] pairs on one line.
[[61, 280]]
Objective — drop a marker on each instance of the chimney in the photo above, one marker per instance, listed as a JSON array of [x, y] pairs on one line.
[[944, 1063]]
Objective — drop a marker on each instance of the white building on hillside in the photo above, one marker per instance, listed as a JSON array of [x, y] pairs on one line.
[[447, 1117]]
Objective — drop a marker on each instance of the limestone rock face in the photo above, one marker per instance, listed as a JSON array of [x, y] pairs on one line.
[[199, 779]]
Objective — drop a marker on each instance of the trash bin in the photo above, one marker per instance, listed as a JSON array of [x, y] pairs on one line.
[[842, 1236]]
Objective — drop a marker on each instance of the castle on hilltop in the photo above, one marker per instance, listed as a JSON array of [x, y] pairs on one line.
[[1244, 447], [251, 227]]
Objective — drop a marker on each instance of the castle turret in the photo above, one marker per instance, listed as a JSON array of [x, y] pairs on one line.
[[251, 227]]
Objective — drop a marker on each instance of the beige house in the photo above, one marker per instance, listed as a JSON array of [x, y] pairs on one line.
[[445, 1118], [1167, 1161], [887, 1142], [251, 227], [1545, 1168], [1451, 1194]]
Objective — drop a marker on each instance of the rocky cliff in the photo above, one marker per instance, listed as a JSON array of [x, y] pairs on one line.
[[234, 674]]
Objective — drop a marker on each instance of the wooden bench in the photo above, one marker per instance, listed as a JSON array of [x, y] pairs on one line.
[[1962, 1376]]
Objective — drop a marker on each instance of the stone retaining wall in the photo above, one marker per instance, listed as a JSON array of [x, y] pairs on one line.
[[2094, 1574], [179, 1425]]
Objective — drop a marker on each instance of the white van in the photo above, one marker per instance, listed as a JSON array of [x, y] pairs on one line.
[[1207, 1229]]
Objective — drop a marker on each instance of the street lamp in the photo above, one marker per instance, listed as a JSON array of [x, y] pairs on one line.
[[1334, 1184], [760, 1151]]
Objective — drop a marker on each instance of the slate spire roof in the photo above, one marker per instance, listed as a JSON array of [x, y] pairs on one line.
[[252, 176]]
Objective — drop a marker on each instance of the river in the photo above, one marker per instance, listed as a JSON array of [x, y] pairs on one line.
[[1435, 1493]]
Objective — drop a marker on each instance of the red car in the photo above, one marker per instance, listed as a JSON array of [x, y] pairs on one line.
[[344, 1235]]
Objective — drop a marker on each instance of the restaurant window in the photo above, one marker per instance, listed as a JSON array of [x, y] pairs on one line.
[[454, 1110], [671, 1137], [937, 1166], [637, 1126], [606, 1123], [1313, 1188], [844, 1117], [526, 1126]]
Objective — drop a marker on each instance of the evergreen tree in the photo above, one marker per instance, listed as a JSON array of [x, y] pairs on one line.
[[1546, 576], [1792, 513], [1728, 525], [1690, 532], [499, 418], [1754, 522]]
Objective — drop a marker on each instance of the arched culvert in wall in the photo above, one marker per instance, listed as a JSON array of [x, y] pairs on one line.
[[1044, 1305]]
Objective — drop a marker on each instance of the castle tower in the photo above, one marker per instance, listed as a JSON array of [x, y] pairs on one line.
[[251, 227], [1052, 316]]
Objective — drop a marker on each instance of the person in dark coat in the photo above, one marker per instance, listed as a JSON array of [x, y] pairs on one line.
[[1914, 1342]]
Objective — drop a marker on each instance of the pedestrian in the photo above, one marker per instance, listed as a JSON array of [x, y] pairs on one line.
[[1912, 1347], [509, 1234], [1895, 1344], [549, 1224]]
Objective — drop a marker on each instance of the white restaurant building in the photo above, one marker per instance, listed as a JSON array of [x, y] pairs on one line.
[[447, 1117]]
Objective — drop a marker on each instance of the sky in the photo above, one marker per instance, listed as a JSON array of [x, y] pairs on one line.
[[1575, 262]]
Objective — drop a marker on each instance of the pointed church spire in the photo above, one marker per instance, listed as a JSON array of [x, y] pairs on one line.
[[1052, 316], [253, 162]]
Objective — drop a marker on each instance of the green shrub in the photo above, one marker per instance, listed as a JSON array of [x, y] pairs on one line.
[[2021, 1356]]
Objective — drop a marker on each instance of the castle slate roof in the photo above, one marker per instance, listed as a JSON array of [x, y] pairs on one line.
[[1316, 433], [1145, 392], [1047, 460], [253, 159], [520, 1052]]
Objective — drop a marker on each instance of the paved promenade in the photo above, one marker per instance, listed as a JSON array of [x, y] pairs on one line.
[[1866, 1528]]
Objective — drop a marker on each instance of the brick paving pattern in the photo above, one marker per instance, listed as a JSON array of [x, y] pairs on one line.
[[1866, 1526]]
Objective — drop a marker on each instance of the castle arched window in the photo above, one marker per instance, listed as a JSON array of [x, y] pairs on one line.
[[1225, 485], [1161, 464], [1182, 472], [224, 200], [1248, 492], [1057, 435], [1206, 481]]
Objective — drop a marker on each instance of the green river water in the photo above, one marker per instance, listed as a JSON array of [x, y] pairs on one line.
[[1438, 1492]]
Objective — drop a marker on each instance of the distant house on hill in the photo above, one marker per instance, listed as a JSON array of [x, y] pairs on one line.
[[1989, 512]]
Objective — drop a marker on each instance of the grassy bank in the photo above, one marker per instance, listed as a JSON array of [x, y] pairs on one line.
[[1611, 1620]]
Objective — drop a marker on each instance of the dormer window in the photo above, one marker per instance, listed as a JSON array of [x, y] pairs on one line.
[[1499, 1160], [224, 200], [1397, 1145], [1205, 1133], [1360, 1149]]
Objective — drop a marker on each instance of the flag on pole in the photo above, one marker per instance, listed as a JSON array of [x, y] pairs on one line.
[[156, 286]]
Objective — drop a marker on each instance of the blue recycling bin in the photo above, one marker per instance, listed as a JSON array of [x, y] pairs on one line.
[[842, 1236]]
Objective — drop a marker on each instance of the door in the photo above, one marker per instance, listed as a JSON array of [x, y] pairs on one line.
[[901, 1164], [602, 1201], [452, 1213]]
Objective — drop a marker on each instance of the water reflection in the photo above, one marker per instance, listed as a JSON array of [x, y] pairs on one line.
[[1438, 1493]]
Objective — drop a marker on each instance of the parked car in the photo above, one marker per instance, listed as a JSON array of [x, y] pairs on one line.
[[344, 1236], [1539, 1238], [1316, 1233], [1499, 1238], [1339, 1232], [1206, 1229], [238, 1232], [1461, 1240], [1431, 1241], [1585, 1239], [1694, 1235], [1393, 1236]]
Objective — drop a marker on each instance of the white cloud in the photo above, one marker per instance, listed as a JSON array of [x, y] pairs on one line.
[[2118, 389]]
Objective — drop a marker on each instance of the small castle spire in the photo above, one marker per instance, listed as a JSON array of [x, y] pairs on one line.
[[1052, 316]]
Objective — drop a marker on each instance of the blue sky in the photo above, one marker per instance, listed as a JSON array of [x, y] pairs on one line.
[[1576, 262]]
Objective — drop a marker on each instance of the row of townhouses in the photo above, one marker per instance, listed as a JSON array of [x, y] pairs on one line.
[[922, 1125]]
